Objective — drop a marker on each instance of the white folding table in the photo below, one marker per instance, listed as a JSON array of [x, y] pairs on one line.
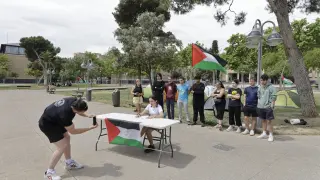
[[160, 124]]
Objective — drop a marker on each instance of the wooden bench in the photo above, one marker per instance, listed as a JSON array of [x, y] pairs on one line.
[[23, 87], [78, 94]]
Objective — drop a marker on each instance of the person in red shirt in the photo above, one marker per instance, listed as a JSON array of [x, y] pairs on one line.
[[171, 90]]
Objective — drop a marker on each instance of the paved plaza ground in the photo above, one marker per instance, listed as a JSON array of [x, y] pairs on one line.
[[200, 153]]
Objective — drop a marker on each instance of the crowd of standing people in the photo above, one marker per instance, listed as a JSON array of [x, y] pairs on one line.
[[258, 102]]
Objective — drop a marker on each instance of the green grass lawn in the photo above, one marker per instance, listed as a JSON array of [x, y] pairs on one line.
[[36, 87], [14, 87]]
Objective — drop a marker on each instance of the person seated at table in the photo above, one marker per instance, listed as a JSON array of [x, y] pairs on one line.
[[153, 110]]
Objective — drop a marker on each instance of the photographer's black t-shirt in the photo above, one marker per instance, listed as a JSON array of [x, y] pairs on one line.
[[60, 112]]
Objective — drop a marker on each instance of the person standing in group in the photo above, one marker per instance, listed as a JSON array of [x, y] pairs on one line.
[[267, 96], [234, 106], [183, 94], [137, 92], [250, 107], [171, 90], [197, 90], [157, 88], [219, 102]]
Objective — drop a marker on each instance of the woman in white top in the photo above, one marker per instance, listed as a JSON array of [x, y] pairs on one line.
[[153, 110]]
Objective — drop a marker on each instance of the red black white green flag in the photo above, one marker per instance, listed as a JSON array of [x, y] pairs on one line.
[[124, 133], [202, 59]]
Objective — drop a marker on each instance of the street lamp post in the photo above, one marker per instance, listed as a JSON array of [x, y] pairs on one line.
[[88, 65], [255, 39]]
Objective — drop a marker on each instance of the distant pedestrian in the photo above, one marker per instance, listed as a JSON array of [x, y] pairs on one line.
[[197, 90], [157, 88], [171, 90], [234, 95], [267, 96], [219, 103], [137, 92], [250, 106], [183, 90]]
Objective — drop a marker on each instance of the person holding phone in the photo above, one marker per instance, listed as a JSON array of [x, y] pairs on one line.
[[56, 123]]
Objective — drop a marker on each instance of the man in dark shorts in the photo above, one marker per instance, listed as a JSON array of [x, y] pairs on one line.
[[266, 99], [56, 123], [250, 107]]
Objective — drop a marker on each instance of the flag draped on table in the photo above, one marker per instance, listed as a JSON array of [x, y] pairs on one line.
[[202, 59], [124, 133]]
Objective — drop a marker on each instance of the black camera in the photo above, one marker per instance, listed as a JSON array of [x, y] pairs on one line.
[[94, 120]]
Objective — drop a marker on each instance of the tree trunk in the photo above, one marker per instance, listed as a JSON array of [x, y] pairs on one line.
[[119, 79], [296, 63], [139, 73]]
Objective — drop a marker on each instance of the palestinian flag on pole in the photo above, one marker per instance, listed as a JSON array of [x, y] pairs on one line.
[[202, 59], [123, 133], [286, 81]]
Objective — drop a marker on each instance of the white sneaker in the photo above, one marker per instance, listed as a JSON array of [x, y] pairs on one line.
[[238, 130], [251, 132], [51, 176], [262, 136], [230, 128], [245, 132], [217, 126], [270, 139], [73, 165]]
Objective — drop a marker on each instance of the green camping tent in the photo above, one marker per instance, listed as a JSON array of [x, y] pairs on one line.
[[288, 98]]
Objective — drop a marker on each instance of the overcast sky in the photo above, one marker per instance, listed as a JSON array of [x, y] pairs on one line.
[[82, 25]]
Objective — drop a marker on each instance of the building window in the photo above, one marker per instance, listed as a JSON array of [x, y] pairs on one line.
[[21, 51], [14, 50]]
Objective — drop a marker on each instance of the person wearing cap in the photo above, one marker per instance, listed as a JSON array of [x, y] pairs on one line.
[[197, 90]]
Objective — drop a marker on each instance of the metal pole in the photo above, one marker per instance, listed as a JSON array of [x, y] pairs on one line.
[[259, 62]]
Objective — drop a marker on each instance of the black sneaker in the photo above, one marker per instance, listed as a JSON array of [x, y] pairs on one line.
[[150, 149]]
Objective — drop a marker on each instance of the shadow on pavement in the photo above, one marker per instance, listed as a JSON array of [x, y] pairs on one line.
[[284, 138], [180, 160], [97, 172]]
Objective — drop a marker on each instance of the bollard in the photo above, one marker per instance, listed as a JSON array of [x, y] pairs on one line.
[[116, 98], [89, 94]]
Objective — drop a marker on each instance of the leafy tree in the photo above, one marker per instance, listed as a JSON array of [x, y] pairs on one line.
[[14, 75], [128, 11], [281, 8], [312, 59], [41, 50], [239, 57], [215, 50], [4, 66], [72, 67], [215, 47], [34, 72], [145, 44]]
